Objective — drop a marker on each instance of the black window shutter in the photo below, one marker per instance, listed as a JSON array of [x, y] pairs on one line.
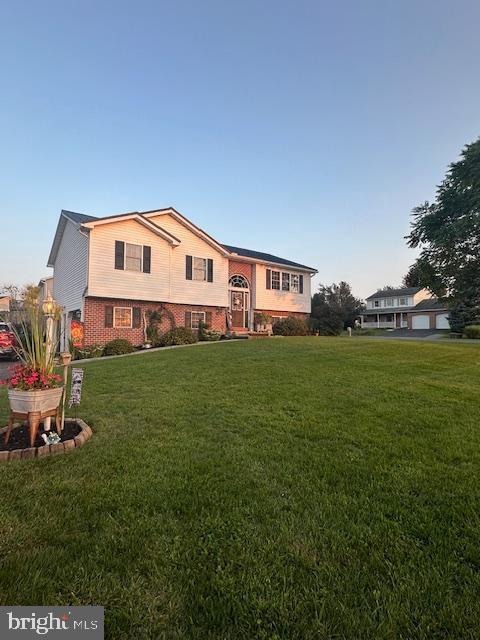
[[188, 269], [188, 318], [269, 278], [300, 288], [136, 320], [208, 319], [119, 254], [147, 258], [210, 270], [109, 316]]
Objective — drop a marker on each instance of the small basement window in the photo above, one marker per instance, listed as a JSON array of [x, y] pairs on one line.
[[197, 317], [122, 317]]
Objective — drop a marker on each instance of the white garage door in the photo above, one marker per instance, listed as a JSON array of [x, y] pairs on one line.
[[442, 321], [420, 322]]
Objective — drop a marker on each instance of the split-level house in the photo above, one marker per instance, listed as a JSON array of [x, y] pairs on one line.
[[110, 272], [407, 308]]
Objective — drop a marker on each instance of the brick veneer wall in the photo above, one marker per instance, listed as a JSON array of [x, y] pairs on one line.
[[97, 333], [242, 268], [284, 314]]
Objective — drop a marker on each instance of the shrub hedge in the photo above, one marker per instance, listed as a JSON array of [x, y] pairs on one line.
[[118, 347], [180, 335], [290, 326]]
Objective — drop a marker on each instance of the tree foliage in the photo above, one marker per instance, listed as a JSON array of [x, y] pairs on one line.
[[447, 232], [334, 308]]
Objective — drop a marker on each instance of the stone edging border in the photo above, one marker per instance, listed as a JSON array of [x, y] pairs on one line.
[[49, 449]]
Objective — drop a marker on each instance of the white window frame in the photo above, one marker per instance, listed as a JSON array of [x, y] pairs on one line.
[[285, 281], [132, 244], [115, 309], [377, 304], [279, 283], [194, 269], [389, 302], [197, 322], [295, 283], [404, 303]]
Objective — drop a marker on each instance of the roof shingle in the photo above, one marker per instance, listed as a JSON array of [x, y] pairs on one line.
[[266, 257], [389, 293]]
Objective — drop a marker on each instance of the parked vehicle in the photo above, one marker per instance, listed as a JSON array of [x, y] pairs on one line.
[[8, 342]]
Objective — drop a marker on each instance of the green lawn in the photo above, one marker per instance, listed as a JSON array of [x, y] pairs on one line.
[[284, 488]]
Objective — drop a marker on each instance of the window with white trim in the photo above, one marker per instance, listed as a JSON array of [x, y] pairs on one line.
[[295, 283], [197, 317], [389, 302], [122, 317], [133, 257], [200, 269], [403, 302], [285, 281], [276, 280], [376, 303]]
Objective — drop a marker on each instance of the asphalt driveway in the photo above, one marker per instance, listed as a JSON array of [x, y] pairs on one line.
[[4, 368]]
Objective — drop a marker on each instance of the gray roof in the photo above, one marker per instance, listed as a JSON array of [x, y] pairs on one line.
[[431, 304], [266, 257], [78, 218], [390, 293]]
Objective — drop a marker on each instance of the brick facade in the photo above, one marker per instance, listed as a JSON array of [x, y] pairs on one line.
[[97, 333], [284, 314], [241, 268]]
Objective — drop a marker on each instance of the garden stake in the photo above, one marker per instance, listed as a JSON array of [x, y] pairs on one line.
[[65, 358]]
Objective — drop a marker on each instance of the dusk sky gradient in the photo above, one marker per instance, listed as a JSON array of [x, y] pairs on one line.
[[306, 129]]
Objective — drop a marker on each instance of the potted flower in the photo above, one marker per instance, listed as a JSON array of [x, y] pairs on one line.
[[263, 322], [34, 385]]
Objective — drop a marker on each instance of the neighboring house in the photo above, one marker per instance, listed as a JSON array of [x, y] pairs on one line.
[[45, 287], [4, 304], [109, 272], [407, 308]]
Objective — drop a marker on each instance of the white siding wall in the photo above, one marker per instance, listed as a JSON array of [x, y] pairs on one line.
[[423, 294], [106, 281], [70, 270], [411, 300], [190, 291], [273, 300]]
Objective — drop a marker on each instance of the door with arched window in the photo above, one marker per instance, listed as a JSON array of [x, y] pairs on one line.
[[239, 294]]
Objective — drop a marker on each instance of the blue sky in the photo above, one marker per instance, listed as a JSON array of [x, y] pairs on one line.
[[306, 129]]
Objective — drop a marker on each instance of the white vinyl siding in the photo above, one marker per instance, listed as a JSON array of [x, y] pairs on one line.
[[277, 299], [70, 270], [201, 292], [108, 282]]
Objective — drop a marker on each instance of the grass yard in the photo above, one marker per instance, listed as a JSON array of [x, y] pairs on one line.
[[287, 488]]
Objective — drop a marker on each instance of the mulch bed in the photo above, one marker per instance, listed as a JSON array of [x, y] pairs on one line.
[[20, 436]]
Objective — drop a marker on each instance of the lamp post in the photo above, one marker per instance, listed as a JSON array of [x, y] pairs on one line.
[[48, 308]]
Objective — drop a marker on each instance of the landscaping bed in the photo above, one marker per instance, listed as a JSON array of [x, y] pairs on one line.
[[75, 433]]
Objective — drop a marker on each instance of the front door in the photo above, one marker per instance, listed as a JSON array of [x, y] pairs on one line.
[[239, 309]]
